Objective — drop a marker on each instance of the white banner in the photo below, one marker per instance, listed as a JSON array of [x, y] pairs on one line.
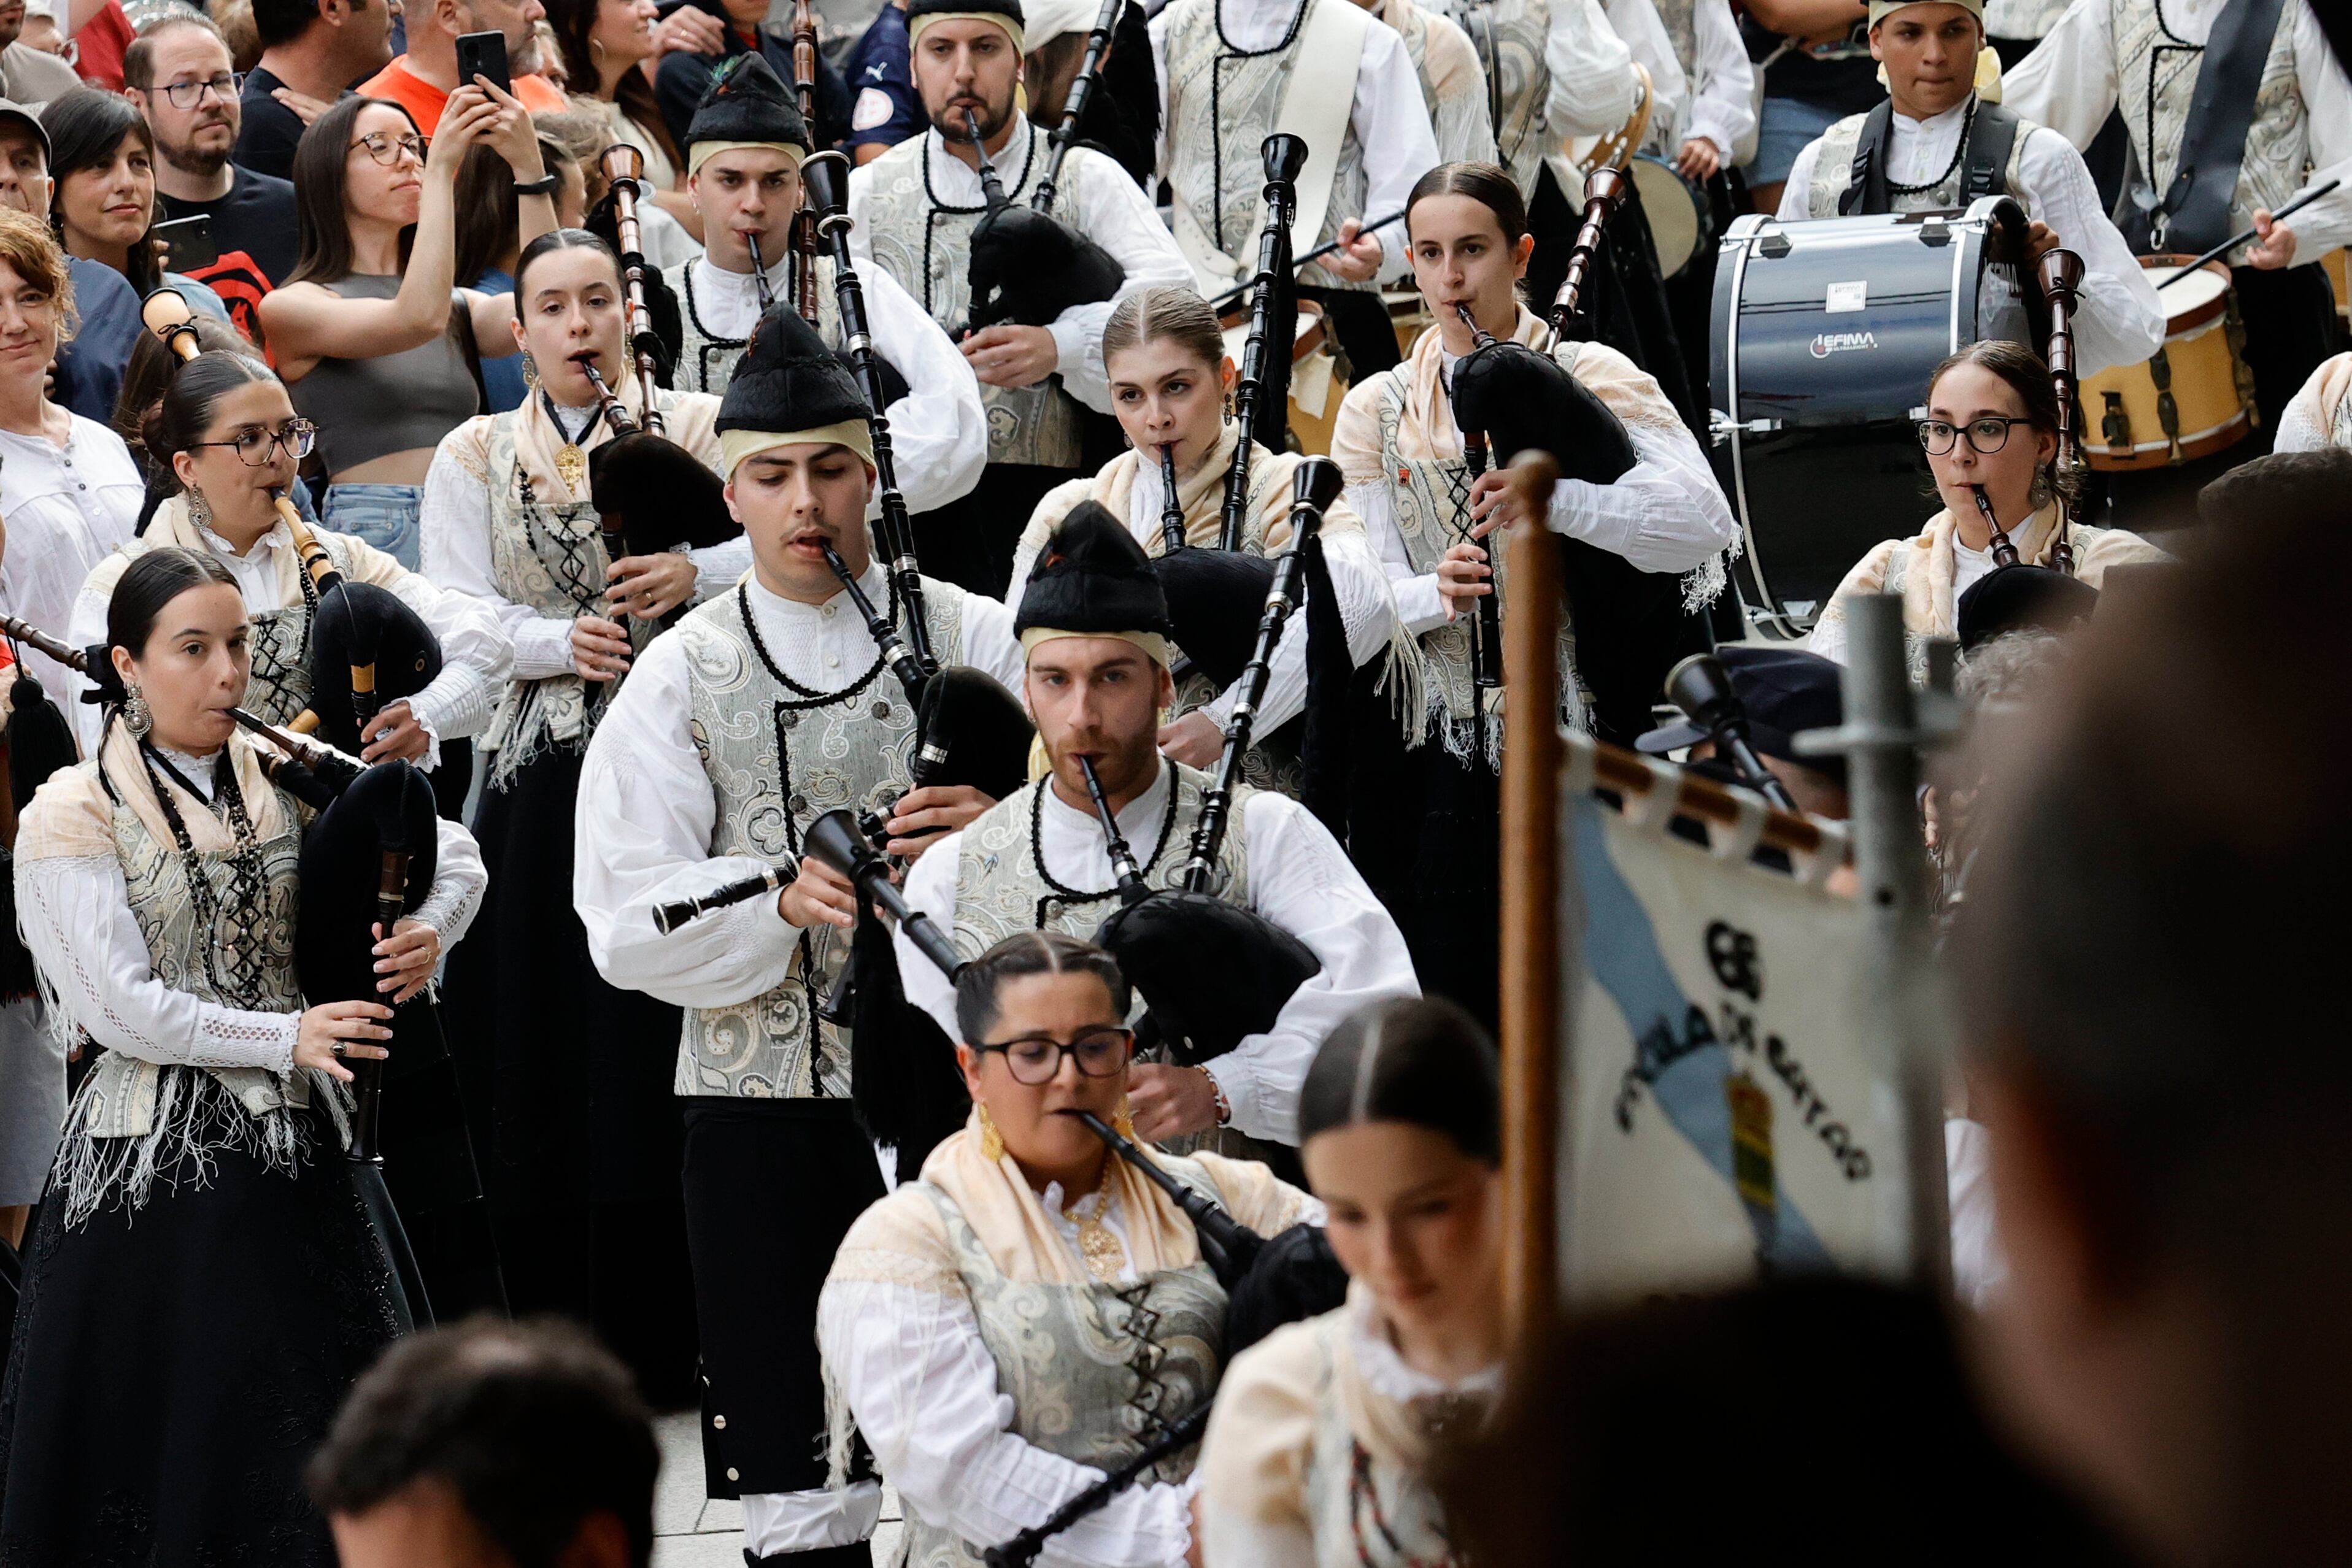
[[1728, 1114]]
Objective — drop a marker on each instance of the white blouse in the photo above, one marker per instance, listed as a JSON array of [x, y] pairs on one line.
[[77, 919], [67, 508]]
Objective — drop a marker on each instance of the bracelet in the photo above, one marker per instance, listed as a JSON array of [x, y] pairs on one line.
[[1225, 1106], [545, 185]]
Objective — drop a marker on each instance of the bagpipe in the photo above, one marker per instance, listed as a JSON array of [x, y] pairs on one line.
[[1262, 396], [368, 858], [1702, 688], [1027, 266], [368, 649], [2017, 593], [1630, 624], [802, 277]]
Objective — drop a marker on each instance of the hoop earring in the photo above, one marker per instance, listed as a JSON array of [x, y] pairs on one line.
[[992, 1142], [200, 511], [137, 716]]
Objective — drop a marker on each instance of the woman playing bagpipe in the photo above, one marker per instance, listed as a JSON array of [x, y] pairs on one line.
[[1170, 379], [580, 1165], [1322, 1447], [1639, 510], [764, 708], [1991, 432], [1033, 1313], [202, 1282]]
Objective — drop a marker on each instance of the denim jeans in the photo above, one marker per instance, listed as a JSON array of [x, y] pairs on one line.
[[384, 514], [1786, 127]]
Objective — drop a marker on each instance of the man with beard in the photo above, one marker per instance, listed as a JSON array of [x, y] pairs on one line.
[[916, 207], [28, 75], [178, 73], [421, 80], [310, 48]]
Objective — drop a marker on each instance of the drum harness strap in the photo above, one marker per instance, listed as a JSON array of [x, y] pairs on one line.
[[1985, 142], [2194, 212]]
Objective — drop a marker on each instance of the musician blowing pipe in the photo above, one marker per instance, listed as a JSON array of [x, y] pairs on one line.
[[1487, 633], [1171, 507], [827, 176], [2004, 551], [1132, 887], [1285, 155]]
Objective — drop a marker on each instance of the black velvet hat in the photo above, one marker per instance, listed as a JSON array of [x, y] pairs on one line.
[[789, 382], [1093, 580], [747, 102], [2020, 598]]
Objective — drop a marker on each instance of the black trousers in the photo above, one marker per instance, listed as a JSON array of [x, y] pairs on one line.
[[970, 542], [772, 1186]]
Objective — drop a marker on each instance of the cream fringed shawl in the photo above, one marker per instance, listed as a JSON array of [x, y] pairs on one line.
[[1921, 569], [1203, 494]]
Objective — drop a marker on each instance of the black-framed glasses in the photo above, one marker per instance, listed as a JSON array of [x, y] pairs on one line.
[[1986, 436], [191, 94], [386, 148], [1035, 1059], [297, 436]]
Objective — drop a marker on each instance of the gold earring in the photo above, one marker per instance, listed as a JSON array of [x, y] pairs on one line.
[[1122, 1122], [992, 1142]]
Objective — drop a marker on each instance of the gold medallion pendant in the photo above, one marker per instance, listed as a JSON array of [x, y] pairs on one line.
[[572, 466]]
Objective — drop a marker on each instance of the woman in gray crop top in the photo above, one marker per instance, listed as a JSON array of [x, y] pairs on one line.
[[366, 331]]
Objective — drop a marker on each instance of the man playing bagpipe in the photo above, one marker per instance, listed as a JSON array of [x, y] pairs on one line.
[[744, 156], [1094, 625], [763, 708], [1024, 284]]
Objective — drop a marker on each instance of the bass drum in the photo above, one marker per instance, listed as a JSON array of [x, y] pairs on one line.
[[1823, 335]]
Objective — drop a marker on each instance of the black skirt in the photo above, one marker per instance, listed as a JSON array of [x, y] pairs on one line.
[[1425, 827], [173, 1366], [568, 1088]]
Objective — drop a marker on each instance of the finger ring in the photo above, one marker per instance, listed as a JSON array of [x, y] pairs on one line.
[[336, 1048]]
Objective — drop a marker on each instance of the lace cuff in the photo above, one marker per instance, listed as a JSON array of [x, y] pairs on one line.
[[456, 703]]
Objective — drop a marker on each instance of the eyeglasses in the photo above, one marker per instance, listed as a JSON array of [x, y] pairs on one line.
[[1986, 436], [386, 148], [1035, 1059], [297, 436], [190, 94]]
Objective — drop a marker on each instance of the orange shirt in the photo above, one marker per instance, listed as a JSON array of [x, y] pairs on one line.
[[424, 101]]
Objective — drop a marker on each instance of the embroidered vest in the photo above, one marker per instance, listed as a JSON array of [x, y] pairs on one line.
[[1095, 1371], [2156, 78], [1462, 121], [706, 360], [1428, 499], [1509, 37], [999, 889], [1365, 1510], [279, 640], [927, 245], [778, 757], [1222, 102], [1833, 173]]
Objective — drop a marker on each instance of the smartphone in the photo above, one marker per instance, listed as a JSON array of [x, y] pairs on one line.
[[483, 54], [188, 243]]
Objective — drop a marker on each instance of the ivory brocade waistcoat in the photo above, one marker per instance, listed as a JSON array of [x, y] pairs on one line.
[[1095, 1371], [1833, 171], [1000, 890], [1509, 37], [706, 361], [230, 943], [1429, 499], [1223, 103], [778, 757], [927, 245], [2155, 79]]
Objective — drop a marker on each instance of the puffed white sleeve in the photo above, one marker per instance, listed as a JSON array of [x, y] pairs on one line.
[[1637, 23], [2327, 223], [1665, 514], [2121, 321], [1592, 82], [989, 644], [1392, 124], [477, 653], [937, 431], [1418, 604], [74, 913], [1302, 880], [2303, 426], [643, 820], [2068, 82], [930, 888], [454, 553], [1723, 99], [921, 1382], [1120, 218], [459, 880]]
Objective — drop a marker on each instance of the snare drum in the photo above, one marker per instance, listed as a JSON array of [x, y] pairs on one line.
[[2195, 397], [1682, 219], [1317, 387], [1822, 337]]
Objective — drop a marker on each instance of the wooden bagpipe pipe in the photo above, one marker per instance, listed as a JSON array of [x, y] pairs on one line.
[[1027, 266], [368, 859], [368, 649]]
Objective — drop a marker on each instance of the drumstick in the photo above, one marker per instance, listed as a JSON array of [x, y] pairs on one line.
[[1232, 297], [2234, 241]]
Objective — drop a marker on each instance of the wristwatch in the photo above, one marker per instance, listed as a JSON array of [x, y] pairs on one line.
[[545, 185]]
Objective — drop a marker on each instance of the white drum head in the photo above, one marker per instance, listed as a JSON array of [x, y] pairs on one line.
[[2199, 289], [1673, 213]]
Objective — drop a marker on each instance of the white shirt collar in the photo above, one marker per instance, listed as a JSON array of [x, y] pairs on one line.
[[1138, 820], [773, 606], [1950, 119], [277, 535], [958, 183]]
